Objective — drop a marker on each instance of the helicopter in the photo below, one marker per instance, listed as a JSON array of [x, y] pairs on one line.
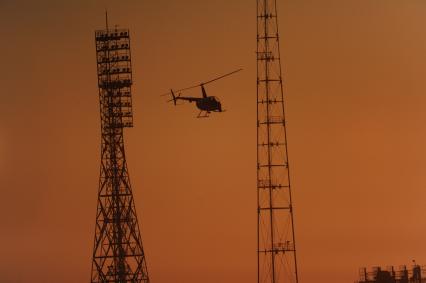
[[206, 104]]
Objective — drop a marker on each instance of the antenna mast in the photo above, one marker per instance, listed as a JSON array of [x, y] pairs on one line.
[[276, 249], [106, 20]]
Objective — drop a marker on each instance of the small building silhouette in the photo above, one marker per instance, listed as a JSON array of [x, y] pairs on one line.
[[390, 275]]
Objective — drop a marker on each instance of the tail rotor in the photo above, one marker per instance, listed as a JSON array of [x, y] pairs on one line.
[[174, 97]]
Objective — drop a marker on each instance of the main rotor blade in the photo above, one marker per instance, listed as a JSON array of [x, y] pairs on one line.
[[183, 89], [221, 77], [218, 78]]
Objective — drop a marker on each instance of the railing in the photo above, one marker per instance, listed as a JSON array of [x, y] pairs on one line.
[[103, 35]]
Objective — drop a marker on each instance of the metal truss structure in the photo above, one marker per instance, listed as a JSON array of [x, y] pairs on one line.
[[118, 255], [276, 249]]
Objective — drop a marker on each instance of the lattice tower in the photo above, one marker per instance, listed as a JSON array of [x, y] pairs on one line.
[[118, 255], [276, 249]]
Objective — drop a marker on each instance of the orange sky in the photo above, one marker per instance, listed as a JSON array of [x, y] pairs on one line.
[[355, 93]]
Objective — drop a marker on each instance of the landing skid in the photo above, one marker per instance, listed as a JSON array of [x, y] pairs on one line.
[[205, 115]]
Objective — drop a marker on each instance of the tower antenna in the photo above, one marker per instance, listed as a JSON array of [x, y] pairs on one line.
[[106, 20], [276, 247]]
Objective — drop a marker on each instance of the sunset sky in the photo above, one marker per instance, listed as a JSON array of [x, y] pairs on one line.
[[355, 91]]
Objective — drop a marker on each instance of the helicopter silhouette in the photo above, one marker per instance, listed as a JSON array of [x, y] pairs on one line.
[[206, 104]]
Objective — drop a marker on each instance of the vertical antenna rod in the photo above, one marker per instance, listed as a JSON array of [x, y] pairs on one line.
[[276, 249], [118, 255], [106, 20]]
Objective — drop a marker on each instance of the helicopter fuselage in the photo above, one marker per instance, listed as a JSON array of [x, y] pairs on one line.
[[209, 103]]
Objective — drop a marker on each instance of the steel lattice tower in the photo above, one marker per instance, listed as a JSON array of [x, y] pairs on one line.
[[276, 248], [118, 255]]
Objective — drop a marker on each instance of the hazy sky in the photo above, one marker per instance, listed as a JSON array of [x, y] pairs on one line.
[[355, 98]]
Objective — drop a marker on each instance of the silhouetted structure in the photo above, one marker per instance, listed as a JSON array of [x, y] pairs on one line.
[[390, 275], [206, 104], [118, 254], [276, 247]]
